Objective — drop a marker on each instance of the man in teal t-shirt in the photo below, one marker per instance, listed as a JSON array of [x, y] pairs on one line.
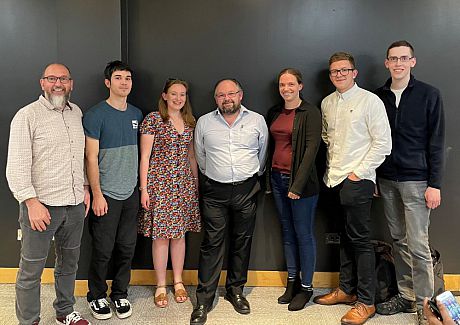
[[111, 129]]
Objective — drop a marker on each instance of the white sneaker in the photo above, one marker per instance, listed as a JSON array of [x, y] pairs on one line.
[[72, 319], [123, 308]]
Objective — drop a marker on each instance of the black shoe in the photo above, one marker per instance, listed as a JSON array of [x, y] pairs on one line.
[[199, 315], [292, 288], [123, 308], [240, 303], [301, 299], [100, 308], [396, 304]]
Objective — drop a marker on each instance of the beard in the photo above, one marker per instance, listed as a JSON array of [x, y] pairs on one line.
[[229, 110], [58, 101]]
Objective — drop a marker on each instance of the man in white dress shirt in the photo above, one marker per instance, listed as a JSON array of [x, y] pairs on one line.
[[358, 137], [230, 146]]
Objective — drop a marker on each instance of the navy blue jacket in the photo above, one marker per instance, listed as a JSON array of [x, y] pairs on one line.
[[417, 131]]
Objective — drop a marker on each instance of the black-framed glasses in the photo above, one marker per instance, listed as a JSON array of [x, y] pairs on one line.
[[343, 72], [54, 79], [231, 94], [404, 58]]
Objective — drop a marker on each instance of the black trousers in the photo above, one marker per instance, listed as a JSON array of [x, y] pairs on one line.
[[226, 208], [357, 258], [113, 236]]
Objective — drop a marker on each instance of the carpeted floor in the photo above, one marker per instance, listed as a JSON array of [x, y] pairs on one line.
[[264, 310]]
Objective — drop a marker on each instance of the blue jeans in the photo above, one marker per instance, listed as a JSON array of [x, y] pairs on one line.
[[408, 220], [297, 219], [66, 227]]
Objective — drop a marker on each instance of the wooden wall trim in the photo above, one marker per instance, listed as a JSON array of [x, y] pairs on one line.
[[255, 279]]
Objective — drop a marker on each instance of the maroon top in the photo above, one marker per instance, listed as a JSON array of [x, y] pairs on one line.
[[281, 130]]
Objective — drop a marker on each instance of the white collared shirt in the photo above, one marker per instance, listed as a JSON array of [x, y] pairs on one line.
[[231, 153], [357, 134]]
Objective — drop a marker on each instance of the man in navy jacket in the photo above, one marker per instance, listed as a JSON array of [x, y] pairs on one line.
[[410, 178]]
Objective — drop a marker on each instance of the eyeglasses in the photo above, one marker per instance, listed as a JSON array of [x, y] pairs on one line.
[[231, 94], [404, 58], [54, 79], [343, 72]]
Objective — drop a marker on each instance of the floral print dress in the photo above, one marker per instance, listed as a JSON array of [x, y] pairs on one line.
[[173, 197]]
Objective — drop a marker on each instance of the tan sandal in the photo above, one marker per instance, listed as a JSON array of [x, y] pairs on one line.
[[180, 294], [161, 300]]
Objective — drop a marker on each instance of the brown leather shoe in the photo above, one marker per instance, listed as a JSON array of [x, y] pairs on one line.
[[336, 296], [358, 314]]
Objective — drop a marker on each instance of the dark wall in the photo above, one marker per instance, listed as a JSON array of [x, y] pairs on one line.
[[203, 41], [84, 35]]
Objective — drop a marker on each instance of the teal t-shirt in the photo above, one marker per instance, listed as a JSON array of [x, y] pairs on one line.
[[117, 132]]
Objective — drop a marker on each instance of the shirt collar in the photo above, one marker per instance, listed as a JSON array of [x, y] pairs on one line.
[[49, 106], [349, 93]]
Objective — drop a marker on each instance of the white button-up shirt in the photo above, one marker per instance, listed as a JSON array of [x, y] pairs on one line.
[[357, 134], [233, 153]]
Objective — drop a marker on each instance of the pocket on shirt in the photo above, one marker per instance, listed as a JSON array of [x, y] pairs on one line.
[[249, 138]]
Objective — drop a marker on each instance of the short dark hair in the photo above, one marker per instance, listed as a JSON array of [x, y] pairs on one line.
[[296, 73], [401, 43], [339, 56], [236, 82], [113, 66]]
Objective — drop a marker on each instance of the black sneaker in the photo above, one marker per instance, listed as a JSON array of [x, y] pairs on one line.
[[100, 308], [396, 304], [123, 308]]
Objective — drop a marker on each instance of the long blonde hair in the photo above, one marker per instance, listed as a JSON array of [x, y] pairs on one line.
[[185, 111]]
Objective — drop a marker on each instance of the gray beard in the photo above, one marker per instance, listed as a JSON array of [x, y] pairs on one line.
[[229, 111], [58, 102]]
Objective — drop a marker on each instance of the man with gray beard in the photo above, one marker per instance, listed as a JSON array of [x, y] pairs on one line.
[[230, 147], [45, 174]]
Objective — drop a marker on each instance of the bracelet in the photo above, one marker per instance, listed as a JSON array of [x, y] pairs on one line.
[[142, 188]]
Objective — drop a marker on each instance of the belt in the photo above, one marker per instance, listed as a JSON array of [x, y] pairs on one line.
[[231, 183]]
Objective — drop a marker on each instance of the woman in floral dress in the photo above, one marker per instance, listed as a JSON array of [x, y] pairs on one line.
[[169, 185]]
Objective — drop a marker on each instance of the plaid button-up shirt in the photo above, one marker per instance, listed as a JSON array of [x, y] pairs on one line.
[[46, 154]]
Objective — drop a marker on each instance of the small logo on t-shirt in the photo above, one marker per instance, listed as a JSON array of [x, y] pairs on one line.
[[135, 123]]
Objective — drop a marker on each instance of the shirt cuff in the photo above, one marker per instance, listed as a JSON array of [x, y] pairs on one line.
[[25, 194]]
